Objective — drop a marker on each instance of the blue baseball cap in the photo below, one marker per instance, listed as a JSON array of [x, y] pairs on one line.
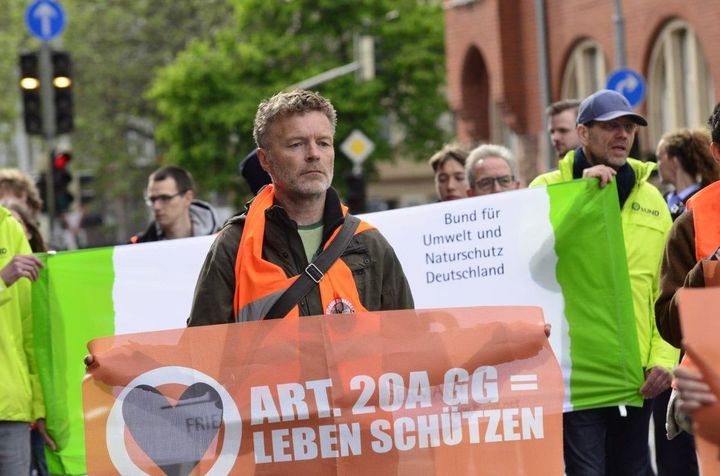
[[606, 105]]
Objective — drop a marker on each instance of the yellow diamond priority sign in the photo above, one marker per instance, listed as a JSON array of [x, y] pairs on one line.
[[357, 147]]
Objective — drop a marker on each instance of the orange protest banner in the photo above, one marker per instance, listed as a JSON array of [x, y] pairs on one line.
[[701, 333], [447, 391]]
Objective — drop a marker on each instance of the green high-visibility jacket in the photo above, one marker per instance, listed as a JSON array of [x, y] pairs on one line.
[[646, 222], [20, 393]]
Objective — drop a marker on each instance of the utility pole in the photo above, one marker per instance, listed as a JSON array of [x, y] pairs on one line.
[[541, 27], [45, 19], [47, 96], [619, 24]]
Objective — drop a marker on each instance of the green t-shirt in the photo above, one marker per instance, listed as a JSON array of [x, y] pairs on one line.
[[311, 236]]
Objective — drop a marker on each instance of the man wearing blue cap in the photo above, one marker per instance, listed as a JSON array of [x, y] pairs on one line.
[[614, 440]]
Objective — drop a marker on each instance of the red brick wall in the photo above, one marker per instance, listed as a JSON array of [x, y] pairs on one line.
[[504, 31], [471, 26]]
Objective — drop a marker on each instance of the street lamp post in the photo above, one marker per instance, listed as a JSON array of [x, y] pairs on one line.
[[619, 24], [364, 64]]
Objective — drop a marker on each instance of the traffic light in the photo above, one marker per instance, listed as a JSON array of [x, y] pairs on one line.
[[62, 88], [62, 178], [30, 87]]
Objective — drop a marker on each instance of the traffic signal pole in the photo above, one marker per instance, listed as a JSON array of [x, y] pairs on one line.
[[47, 94]]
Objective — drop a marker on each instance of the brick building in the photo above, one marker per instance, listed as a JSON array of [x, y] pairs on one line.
[[495, 70]]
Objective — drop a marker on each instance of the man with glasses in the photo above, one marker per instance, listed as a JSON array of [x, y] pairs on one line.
[[614, 440], [176, 213], [491, 169]]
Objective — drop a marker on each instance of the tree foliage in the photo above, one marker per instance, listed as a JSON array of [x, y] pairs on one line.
[[207, 98], [117, 47], [209, 63], [12, 39]]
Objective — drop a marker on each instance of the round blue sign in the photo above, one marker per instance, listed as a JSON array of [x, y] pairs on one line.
[[45, 19], [629, 83]]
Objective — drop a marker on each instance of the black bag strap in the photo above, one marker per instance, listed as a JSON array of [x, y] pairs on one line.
[[315, 271]]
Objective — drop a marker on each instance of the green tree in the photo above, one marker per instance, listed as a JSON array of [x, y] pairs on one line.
[[232, 54], [207, 98], [12, 31], [117, 48]]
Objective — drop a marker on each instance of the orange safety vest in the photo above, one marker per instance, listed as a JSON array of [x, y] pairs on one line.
[[706, 217], [259, 283]]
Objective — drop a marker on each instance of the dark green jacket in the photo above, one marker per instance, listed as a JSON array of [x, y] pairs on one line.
[[378, 274]]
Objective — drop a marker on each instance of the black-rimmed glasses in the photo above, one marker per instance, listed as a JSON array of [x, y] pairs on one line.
[[488, 183]]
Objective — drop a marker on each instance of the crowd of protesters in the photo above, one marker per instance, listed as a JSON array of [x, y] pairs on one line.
[[592, 139]]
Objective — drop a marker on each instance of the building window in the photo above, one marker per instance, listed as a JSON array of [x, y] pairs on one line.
[[680, 85], [585, 72]]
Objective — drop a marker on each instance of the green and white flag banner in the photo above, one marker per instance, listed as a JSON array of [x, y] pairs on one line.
[[559, 247]]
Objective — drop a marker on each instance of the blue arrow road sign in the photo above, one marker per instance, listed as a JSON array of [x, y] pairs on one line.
[[45, 19], [629, 83]]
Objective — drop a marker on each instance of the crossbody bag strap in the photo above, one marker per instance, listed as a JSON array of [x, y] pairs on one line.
[[315, 271]]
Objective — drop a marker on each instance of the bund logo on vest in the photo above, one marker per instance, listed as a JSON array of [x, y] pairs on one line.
[[340, 306], [639, 208], [175, 437]]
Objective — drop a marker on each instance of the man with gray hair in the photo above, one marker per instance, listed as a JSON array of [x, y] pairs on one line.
[[490, 169], [287, 232]]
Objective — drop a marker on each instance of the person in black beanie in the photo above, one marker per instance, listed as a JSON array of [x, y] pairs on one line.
[[253, 173]]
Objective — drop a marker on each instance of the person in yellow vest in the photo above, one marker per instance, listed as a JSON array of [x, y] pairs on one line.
[[21, 397], [260, 253], [611, 440]]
